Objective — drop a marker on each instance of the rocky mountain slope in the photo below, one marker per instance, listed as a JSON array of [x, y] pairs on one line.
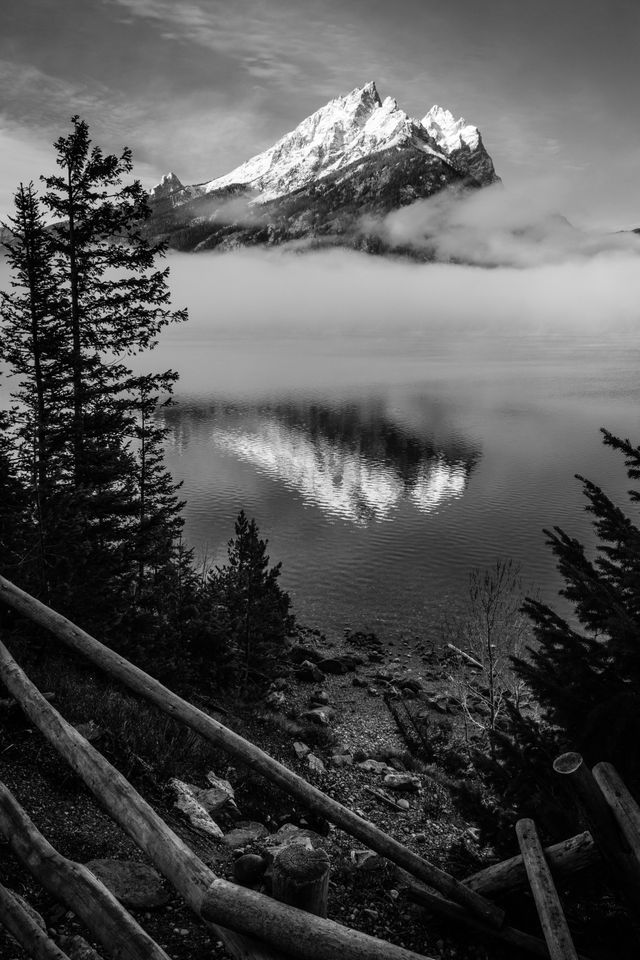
[[327, 182]]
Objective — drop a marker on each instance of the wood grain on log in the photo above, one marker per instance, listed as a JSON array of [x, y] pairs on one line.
[[622, 805], [565, 858], [25, 930], [246, 752], [75, 886], [552, 919], [300, 934], [237, 913]]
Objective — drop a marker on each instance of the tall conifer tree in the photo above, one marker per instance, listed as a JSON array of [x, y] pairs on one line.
[[87, 295], [586, 673]]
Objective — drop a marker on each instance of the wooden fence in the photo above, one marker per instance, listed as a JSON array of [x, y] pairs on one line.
[[252, 925]]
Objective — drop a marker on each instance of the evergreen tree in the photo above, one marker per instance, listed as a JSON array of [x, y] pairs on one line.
[[33, 342], [13, 503], [86, 296], [586, 675], [116, 301], [252, 607], [159, 522]]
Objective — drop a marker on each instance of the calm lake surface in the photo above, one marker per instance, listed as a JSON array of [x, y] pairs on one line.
[[388, 445], [383, 469]]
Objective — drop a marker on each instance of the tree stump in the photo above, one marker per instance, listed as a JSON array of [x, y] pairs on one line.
[[301, 878]]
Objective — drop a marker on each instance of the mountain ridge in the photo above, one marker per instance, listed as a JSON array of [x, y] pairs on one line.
[[357, 156]]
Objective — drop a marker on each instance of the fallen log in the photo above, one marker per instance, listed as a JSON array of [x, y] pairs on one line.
[[565, 858], [624, 868], [622, 804], [552, 919], [518, 939], [75, 886], [465, 656], [229, 907], [242, 750], [25, 930]]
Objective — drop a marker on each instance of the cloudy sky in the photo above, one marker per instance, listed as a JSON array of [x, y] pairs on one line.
[[197, 86]]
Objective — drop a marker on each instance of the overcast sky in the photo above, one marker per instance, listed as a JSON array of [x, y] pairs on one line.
[[197, 86]]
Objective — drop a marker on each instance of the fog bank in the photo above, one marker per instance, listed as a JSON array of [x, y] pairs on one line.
[[340, 292], [499, 226]]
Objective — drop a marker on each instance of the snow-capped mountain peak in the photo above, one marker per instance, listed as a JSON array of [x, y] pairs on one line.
[[347, 165], [460, 141], [449, 133], [168, 184], [345, 130]]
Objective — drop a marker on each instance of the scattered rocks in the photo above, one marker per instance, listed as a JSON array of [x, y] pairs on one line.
[[319, 715], [402, 782], [219, 794], [300, 653], [301, 749], [276, 700], [134, 884], [359, 682], [187, 802], [246, 832], [316, 765], [308, 672], [320, 697], [367, 860], [341, 760], [375, 766]]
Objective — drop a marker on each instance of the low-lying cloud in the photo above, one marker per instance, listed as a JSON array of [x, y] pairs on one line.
[[250, 292], [498, 226]]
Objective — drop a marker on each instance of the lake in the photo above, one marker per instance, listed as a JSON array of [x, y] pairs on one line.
[[382, 470], [393, 426]]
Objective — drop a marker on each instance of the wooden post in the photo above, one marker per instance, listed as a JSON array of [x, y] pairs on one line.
[[75, 886], [565, 858], [26, 931], [554, 925], [301, 878], [213, 731], [622, 804], [236, 912], [614, 849], [510, 936]]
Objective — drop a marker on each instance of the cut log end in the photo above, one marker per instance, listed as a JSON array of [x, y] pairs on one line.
[[568, 763], [301, 878]]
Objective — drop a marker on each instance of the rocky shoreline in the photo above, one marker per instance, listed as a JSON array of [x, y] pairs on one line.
[[327, 719]]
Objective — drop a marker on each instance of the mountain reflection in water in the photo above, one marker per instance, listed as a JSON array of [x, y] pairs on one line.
[[349, 460]]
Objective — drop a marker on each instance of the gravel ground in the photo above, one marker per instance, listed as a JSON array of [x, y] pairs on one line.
[[366, 899]]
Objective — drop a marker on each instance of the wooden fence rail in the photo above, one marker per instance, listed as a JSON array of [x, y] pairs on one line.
[[75, 886], [552, 918], [212, 730], [25, 930], [518, 940], [624, 866], [234, 910], [565, 858]]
